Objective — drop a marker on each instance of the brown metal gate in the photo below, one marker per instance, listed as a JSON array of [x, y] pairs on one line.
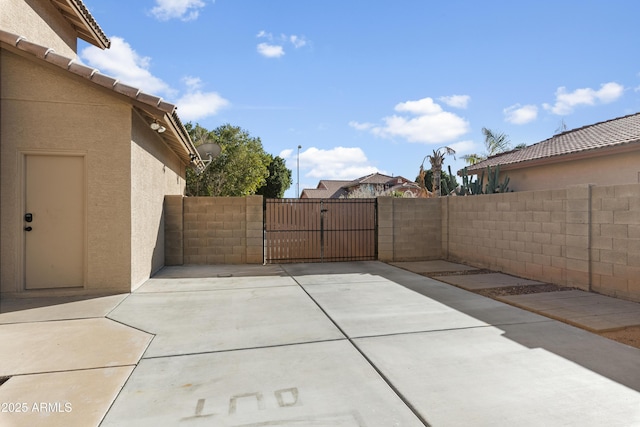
[[319, 230]]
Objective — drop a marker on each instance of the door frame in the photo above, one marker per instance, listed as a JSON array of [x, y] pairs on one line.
[[21, 263]]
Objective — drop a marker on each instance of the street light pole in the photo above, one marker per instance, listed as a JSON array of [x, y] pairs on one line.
[[298, 177]]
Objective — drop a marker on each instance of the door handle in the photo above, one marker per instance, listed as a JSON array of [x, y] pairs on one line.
[[28, 228]]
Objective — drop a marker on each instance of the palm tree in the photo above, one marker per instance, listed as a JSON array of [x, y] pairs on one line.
[[436, 159], [494, 143]]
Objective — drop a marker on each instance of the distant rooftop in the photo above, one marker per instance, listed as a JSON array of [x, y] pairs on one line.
[[332, 189]]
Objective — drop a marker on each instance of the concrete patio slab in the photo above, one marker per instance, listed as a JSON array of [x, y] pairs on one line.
[[437, 266], [311, 385], [213, 284], [194, 322], [19, 310], [235, 270], [591, 311], [383, 307], [486, 281], [318, 268], [66, 345], [482, 308], [62, 399], [329, 279], [477, 377], [257, 351]]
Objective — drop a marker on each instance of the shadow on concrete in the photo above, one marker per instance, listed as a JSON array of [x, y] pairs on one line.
[[616, 361], [213, 271]]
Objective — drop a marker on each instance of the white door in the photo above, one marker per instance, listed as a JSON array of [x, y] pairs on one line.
[[54, 221]]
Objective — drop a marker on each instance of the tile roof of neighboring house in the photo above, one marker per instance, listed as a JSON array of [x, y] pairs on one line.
[[374, 178], [328, 188], [152, 108], [81, 20], [585, 140]]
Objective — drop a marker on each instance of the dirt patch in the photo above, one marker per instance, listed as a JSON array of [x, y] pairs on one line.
[[629, 336], [522, 290], [436, 274]]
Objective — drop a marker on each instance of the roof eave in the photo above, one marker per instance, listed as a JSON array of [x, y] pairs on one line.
[[152, 108], [86, 27]]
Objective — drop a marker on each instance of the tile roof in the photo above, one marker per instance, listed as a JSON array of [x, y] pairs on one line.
[[328, 188], [151, 107], [611, 133], [77, 14], [374, 178]]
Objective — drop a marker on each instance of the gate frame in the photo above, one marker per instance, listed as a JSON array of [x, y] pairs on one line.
[[322, 230]]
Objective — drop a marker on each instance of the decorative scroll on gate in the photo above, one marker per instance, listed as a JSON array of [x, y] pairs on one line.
[[319, 230]]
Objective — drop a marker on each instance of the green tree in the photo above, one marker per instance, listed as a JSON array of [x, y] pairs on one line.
[[239, 170], [278, 181], [494, 143]]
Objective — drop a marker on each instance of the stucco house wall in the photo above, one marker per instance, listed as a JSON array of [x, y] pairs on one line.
[[621, 168], [155, 172], [92, 129], [129, 170], [44, 110], [42, 22]]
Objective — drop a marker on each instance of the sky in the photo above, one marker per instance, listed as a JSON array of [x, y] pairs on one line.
[[377, 85]]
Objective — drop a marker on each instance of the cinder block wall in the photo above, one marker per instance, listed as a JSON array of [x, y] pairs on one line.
[[615, 240], [529, 234], [409, 229], [213, 230], [583, 236]]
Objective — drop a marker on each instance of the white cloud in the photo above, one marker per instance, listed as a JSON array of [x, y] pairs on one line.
[[270, 50], [463, 147], [422, 106], [185, 10], [336, 163], [361, 126], [275, 47], [520, 114], [297, 41], [427, 123], [285, 154], [197, 105], [566, 101], [193, 83], [456, 101], [124, 63]]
